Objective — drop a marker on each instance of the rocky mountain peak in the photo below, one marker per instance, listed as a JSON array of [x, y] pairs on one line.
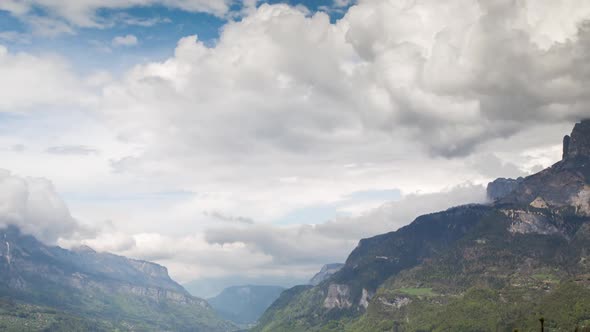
[[326, 271], [577, 144]]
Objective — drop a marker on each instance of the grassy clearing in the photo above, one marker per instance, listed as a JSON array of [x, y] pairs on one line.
[[418, 291]]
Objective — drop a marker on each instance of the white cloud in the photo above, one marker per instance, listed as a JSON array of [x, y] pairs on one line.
[[384, 71], [33, 205], [127, 40]]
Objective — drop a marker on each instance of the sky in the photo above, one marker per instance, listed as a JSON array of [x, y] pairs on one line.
[[262, 139]]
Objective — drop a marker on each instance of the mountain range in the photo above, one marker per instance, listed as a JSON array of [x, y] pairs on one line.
[[489, 267], [54, 289]]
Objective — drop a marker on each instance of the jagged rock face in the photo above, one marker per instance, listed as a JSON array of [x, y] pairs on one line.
[[326, 271], [578, 143], [564, 187], [501, 187]]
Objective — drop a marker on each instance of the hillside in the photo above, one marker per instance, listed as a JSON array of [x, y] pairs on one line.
[[492, 267], [58, 289]]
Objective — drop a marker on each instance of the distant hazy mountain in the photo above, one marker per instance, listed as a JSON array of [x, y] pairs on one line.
[[494, 267], [210, 287], [326, 271], [56, 289], [244, 304]]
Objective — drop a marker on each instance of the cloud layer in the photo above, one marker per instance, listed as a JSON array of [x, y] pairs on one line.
[[298, 251], [83, 13]]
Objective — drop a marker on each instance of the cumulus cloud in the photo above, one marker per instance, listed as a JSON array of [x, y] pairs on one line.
[[387, 70], [33, 205], [127, 40]]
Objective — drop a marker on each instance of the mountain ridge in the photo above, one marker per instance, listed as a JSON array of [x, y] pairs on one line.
[[118, 292], [423, 275]]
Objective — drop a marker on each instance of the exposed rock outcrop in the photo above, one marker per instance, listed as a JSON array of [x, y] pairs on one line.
[[365, 298], [526, 222], [398, 302], [563, 187], [577, 145], [338, 297]]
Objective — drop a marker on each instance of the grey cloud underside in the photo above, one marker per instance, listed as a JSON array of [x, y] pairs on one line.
[[222, 217], [513, 82]]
